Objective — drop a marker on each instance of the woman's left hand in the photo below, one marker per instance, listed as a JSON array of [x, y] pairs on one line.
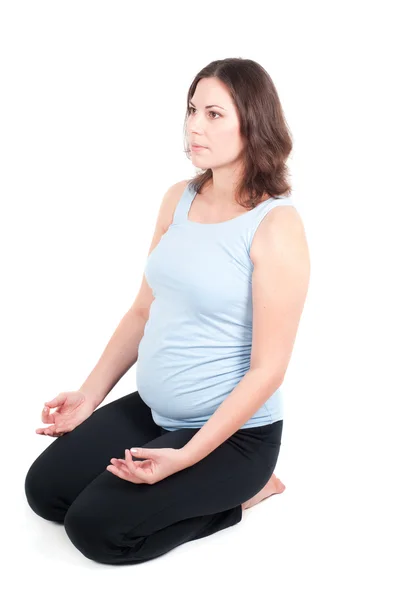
[[160, 463]]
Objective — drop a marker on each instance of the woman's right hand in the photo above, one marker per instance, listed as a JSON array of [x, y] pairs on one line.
[[71, 409]]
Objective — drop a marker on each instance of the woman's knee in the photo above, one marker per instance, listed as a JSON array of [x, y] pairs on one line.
[[41, 494], [91, 534]]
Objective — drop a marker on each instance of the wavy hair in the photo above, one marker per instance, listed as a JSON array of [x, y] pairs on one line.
[[268, 142]]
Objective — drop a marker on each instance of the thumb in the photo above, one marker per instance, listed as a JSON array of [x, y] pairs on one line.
[[60, 399], [144, 452]]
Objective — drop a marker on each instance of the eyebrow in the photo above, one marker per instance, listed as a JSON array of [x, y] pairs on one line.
[[208, 106]]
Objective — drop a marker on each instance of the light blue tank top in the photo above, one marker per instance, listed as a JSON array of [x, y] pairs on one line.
[[197, 341]]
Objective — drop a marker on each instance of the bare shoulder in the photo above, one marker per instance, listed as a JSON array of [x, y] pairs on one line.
[[281, 226], [171, 199]]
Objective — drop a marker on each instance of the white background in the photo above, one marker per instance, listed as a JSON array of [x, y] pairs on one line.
[[92, 104]]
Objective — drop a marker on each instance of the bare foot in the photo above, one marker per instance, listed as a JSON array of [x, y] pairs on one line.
[[273, 486]]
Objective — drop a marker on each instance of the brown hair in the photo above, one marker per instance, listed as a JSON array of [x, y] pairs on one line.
[[262, 125]]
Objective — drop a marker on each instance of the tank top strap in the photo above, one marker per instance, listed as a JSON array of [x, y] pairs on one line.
[[182, 208], [260, 211]]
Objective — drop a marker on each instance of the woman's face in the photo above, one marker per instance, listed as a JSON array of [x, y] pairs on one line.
[[217, 128]]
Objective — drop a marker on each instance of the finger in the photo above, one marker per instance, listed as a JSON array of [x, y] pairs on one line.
[[128, 459], [123, 462], [130, 464], [46, 416], [63, 426], [116, 462], [143, 464], [61, 429], [48, 431], [57, 401], [139, 464], [135, 467], [42, 431], [120, 464], [128, 477], [116, 471]]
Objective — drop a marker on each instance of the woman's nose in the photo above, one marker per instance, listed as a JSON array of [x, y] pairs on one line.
[[196, 124]]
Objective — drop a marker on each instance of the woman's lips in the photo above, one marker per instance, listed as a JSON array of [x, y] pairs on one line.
[[198, 148]]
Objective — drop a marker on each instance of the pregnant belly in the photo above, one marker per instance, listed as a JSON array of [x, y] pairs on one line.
[[185, 392]]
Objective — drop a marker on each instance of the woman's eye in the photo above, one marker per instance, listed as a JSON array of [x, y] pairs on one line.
[[191, 108]]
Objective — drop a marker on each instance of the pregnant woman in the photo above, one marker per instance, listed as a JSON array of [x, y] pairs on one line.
[[211, 332]]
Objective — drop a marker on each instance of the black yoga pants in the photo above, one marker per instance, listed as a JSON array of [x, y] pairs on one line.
[[113, 521]]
